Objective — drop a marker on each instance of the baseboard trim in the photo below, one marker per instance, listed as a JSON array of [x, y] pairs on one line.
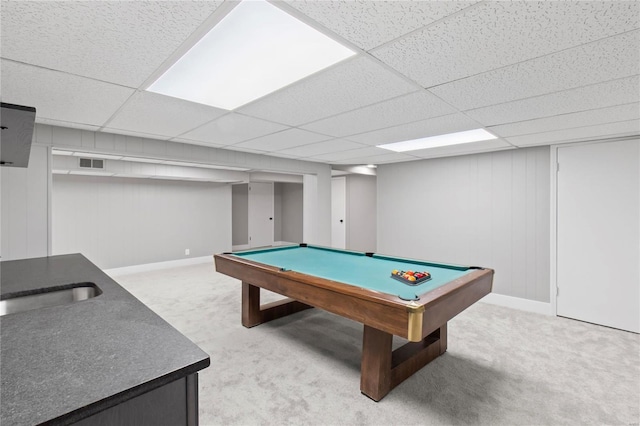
[[134, 269], [518, 303]]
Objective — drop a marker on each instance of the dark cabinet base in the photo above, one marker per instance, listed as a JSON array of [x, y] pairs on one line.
[[173, 404]]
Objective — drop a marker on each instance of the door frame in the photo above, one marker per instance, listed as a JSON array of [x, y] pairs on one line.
[[344, 222], [553, 249], [250, 217]]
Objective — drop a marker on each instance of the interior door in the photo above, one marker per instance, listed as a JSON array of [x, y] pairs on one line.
[[338, 212], [599, 234], [260, 214]]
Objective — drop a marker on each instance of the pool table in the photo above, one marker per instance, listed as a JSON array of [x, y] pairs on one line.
[[359, 286]]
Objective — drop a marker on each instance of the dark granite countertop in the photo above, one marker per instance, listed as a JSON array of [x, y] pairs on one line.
[[64, 363]]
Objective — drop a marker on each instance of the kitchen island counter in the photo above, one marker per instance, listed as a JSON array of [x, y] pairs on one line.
[[61, 364]]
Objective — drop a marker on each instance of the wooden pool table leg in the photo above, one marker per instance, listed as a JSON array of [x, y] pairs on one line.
[[253, 314], [383, 369]]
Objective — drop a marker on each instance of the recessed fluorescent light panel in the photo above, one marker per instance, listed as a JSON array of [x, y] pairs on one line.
[[458, 138], [255, 50]]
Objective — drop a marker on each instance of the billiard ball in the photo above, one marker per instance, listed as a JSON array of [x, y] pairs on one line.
[[411, 278]]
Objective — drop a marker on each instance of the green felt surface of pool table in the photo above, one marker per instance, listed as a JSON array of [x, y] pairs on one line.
[[356, 268]]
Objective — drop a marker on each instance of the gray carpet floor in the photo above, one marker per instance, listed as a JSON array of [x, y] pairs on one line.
[[502, 367]]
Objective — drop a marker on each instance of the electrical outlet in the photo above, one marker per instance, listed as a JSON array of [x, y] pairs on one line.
[[186, 252]]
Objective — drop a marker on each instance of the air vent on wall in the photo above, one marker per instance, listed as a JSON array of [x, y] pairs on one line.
[[91, 163]]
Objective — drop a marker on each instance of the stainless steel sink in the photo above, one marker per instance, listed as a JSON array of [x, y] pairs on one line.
[[74, 293]]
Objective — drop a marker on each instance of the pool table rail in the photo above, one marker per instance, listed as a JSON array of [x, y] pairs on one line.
[[372, 308], [413, 320]]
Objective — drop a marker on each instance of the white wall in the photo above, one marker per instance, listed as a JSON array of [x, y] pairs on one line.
[[361, 212], [488, 210], [117, 222], [317, 206], [277, 212], [240, 214], [291, 210], [312, 198], [287, 212], [25, 219], [26, 194]]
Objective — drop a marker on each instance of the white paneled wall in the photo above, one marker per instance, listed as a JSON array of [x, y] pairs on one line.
[[361, 212], [291, 210], [488, 210], [117, 222], [25, 218], [317, 192], [240, 214]]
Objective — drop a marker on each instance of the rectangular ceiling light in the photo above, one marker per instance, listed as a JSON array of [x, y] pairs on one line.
[[61, 152], [255, 50], [457, 138]]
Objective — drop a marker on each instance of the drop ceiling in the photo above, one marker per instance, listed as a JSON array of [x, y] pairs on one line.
[[533, 73]]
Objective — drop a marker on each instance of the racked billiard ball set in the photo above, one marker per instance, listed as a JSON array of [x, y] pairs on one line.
[[410, 277]]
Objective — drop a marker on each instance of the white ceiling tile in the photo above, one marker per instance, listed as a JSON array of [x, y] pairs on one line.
[[616, 92], [132, 133], [471, 152], [315, 160], [346, 86], [419, 129], [352, 154], [60, 96], [622, 128], [499, 33], [194, 142], [567, 121], [394, 157], [604, 60], [404, 109], [72, 125], [120, 42], [281, 140], [319, 148], [243, 149], [281, 155], [148, 112], [535, 72], [462, 149], [368, 24], [233, 128]]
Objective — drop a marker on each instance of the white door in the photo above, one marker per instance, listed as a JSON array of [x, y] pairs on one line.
[[599, 234], [260, 214], [338, 212]]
